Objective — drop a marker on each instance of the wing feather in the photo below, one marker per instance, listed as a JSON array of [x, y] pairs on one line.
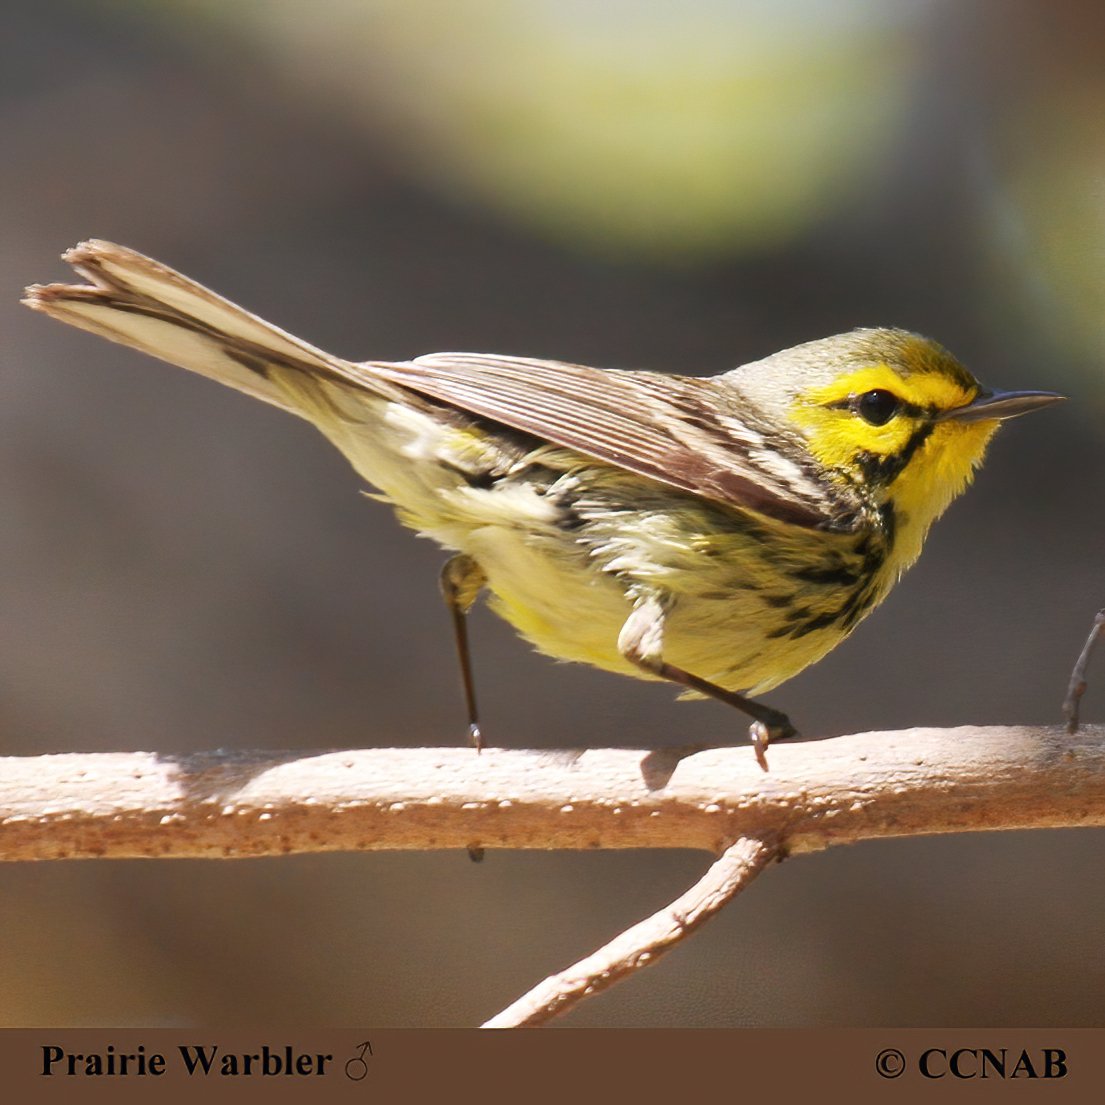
[[683, 431]]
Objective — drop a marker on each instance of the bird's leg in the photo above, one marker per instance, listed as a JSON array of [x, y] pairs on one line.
[[461, 581], [641, 642]]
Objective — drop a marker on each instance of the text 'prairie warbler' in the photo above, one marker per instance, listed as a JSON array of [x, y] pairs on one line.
[[722, 533]]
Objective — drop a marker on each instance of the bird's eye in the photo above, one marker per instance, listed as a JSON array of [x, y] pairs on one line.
[[876, 407]]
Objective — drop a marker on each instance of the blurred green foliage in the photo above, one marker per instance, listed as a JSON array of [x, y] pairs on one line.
[[678, 133]]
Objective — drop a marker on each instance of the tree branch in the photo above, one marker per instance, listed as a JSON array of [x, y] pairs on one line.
[[644, 943], [229, 804]]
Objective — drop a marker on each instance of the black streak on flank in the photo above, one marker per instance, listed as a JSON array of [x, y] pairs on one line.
[[857, 605], [777, 602], [833, 575], [844, 616]]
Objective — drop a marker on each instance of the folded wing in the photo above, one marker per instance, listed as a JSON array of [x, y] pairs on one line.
[[680, 430]]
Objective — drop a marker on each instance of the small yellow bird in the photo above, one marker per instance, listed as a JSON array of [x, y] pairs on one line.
[[722, 533]]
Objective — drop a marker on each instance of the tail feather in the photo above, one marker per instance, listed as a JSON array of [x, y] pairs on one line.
[[134, 300]]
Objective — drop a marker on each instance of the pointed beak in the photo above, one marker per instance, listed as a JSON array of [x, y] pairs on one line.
[[999, 405]]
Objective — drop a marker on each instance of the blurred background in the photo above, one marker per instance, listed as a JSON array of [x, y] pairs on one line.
[[677, 186]]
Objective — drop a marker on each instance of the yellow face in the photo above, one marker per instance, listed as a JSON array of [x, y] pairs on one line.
[[879, 426]]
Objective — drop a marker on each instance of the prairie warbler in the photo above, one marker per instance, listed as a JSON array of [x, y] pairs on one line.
[[722, 533]]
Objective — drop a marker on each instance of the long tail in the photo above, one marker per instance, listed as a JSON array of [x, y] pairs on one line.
[[136, 301]]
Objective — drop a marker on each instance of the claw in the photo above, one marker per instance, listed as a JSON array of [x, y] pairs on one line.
[[760, 737], [475, 737], [761, 733]]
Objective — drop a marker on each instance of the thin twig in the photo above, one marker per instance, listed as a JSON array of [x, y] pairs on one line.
[[643, 943], [1077, 687]]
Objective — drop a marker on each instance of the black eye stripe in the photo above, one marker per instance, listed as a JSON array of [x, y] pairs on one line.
[[910, 410]]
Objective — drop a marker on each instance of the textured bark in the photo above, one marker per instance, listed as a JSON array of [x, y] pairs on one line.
[[229, 804]]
